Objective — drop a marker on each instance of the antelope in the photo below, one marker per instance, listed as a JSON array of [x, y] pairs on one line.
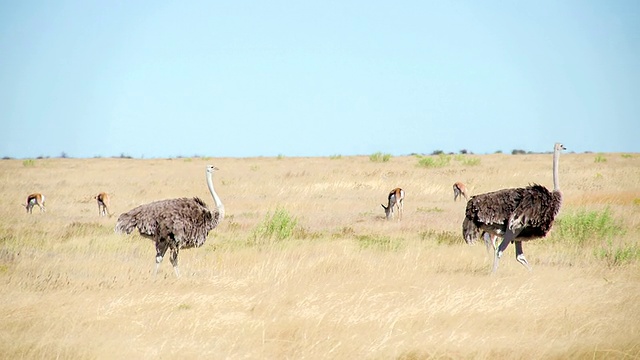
[[103, 203], [459, 190], [33, 200], [395, 200]]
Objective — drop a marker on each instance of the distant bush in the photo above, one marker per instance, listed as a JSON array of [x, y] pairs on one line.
[[441, 160], [442, 237], [437, 152], [600, 158], [626, 156], [518, 152], [29, 163], [379, 157], [498, 152], [335, 157], [471, 161]]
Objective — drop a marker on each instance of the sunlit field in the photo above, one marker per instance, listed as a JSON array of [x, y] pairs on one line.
[[335, 280]]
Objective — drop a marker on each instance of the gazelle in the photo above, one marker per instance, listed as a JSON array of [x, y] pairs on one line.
[[395, 200], [103, 203], [33, 200], [459, 190]]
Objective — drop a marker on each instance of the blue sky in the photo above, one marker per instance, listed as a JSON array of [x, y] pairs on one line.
[[317, 78]]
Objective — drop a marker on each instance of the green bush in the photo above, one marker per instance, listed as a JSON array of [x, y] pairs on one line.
[[275, 227], [379, 242], [380, 157], [441, 160], [600, 158], [618, 255], [586, 227], [29, 163]]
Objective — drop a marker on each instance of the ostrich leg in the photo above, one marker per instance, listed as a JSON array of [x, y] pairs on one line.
[[174, 260], [161, 249], [520, 256]]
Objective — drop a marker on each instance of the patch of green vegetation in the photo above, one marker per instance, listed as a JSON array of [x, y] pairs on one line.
[[29, 163], [275, 227], [442, 237], [335, 157], [430, 210], [184, 307], [616, 255], [379, 242], [474, 161], [600, 158], [379, 157], [280, 156], [626, 156], [438, 161], [636, 201], [586, 227]]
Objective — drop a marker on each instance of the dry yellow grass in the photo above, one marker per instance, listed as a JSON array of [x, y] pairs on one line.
[[71, 288]]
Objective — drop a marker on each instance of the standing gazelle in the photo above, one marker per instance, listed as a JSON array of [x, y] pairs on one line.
[[103, 203], [459, 190], [395, 200], [33, 200]]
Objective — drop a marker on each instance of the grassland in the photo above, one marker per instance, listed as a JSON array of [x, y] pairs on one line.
[[343, 284]]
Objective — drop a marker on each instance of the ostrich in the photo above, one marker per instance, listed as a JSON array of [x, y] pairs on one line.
[[395, 200], [103, 203], [174, 223], [459, 190], [517, 215], [33, 200]]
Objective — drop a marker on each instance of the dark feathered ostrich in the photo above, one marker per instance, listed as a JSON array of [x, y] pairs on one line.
[[517, 215], [175, 223]]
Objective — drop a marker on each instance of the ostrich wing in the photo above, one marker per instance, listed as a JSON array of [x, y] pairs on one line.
[[491, 211], [536, 212]]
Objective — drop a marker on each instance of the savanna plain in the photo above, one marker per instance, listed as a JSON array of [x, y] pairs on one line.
[[305, 266]]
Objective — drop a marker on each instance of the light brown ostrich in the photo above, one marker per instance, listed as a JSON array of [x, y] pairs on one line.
[[175, 223], [103, 200], [395, 199], [459, 190], [33, 200], [516, 215]]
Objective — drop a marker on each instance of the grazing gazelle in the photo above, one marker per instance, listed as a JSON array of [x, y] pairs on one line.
[[33, 200], [395, 200], [103, 204], [458, 190]]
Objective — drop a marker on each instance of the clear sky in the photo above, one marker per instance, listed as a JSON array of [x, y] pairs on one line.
[[317, 78]]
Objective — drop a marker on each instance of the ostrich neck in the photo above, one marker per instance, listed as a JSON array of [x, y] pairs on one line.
[[216, 198], [556, 181]]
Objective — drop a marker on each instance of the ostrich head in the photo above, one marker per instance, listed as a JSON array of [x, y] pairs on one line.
[[211, 169], [559, 147]]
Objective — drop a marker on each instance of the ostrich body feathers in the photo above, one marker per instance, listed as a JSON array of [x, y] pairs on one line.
[[184, 221], [528, 212]]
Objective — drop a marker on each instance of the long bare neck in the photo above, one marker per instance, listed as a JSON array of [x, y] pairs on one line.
[[216, 198], [556, 181]]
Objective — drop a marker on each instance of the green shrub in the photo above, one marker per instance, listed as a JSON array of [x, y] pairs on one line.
[[618, 255], [379, 242], [29, 163], [379, 157], [275, 227], [586, 227], [442, 237], [441, 160], [471, 161], [600, 158]]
